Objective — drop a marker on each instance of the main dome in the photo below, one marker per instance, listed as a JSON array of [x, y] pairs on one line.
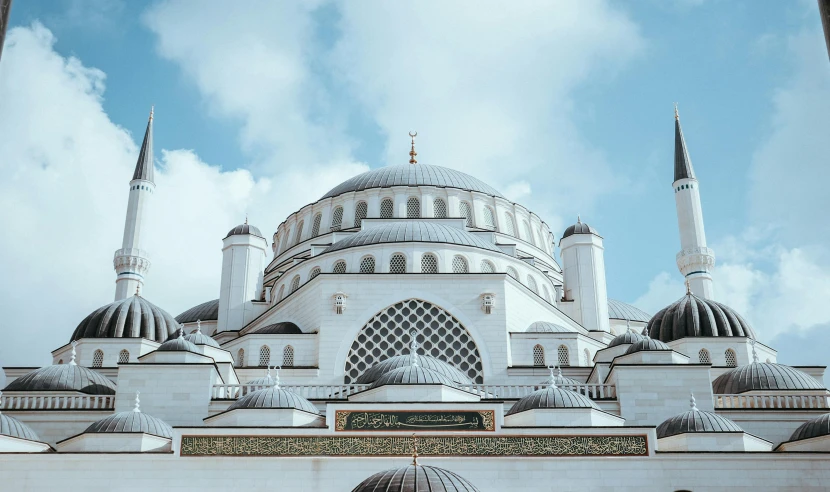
[[412, 231], [692, 316], [412, 175], [132, 317]]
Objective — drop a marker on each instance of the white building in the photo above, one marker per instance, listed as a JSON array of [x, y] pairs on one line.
[[415, 315]]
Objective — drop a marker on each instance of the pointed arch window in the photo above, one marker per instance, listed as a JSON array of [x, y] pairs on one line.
[[360, 213], [487, 267], [240, 358], [538, 355], [586, 357], [339, 267], [546, 293], [731, 359], [284, 242], [704, 357], [459, 264], [264, 356], [314, 272], [563, 355], [467, 213], [295, 283], [288, 356], [489, 220], [123, 357], [512, 272], [298, 234], [413, 208], [531, 284], [315, 225], [439, 207], [98, 358], [367, 264], [387, 208], [397, 263], [429, 263], [528, 234], [510, 224], [337, 219]]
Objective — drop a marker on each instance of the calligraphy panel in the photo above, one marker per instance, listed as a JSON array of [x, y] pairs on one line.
[[450, 420]]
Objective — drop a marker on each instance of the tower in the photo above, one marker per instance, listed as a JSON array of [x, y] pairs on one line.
[[243, 266], [583, 269], [694, 260], [131, 262]]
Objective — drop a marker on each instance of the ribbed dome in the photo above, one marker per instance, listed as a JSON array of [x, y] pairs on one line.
[[579, 228], [131, 422], [627, 337], [273, 397], [817, 427], [263, 381], [763, 376], [546, 327], [647, 344], [415, 478], [412, 175], [696, 421], [178, 344], [431, 363], [413, 375], [63, 377], [282, 328], [623, 311], [412, 231], [244, 229], [199, 338], [10, 426], [552, 397], [206, 311], [128, 318], [692, 316]]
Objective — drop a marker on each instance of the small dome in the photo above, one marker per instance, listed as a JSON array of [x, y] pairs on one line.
[[199, 338], [413, 375], [552, 397], [763, 376], [263, 381], [696, 421], [415, 478], [10, 426], [132, 317], [178, 344], [243, 230], [579, 228], [131, 422], [692, 316], [413, 231], [206, 311], [63, 377], [626, 312], [428, 362], [817, 427], [626, 338], [274, 398], [546, 327], [282, 328], [647, 344]]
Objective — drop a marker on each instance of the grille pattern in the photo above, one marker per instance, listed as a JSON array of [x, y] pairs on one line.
[[531, 284], [337, 219], [97, 358], [413, 208], [528, 234], [512, 272], [704, 357], [546, 293], [489, 221], [439, 208], [387, 334], [295, 283], [360, 213], [459, 264], [429, 263], [314, 272], [563, 355], [487, 267], [731, 360], [281, 293], [387, 208], [123, 357], [298, 235], [510, 224], [315, 226], [339, 267], [538, 355], [367, 264], [264, 356], [467, 213], [288, 356], [397, 263], [240, 358]]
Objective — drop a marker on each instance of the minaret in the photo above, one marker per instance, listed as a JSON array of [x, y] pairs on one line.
[[131, 262], [694, 260]]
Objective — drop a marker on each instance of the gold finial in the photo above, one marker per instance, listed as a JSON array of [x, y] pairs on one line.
[[578, 219], [246, 219], [414, 450], [412, 152], [676, 114], [153, 107], [688, 287], [138, 289]]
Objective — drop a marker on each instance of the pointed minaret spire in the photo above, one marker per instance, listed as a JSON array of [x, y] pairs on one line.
[[682, 162], [144, 165], [412, 152]]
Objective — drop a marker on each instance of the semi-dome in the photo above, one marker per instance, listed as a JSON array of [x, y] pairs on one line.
[[552, 397], [131, 422], [281, 328], [693, 316], [415, 478], [413, 375], [273, 398], [579, 228], [206, 311], [132, 317], [199, 338], [546, 327], [647, 344], [243, 230], [178, 344], [10, 426], [817, 427], [412, 175], [426, 361], [412, 231], [626, 312], [696, 421], [763, 376], [628, 337], [63, 377]]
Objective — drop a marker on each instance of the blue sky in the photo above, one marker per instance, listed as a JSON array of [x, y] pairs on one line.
[[567, 107]]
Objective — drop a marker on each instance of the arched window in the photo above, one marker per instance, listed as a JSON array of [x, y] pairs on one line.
[[315, 226], [123, 357], [512, 272], [537, 238], [387, 208], [339, 267], [439, 207], [367, 264], [586, 356], [731, 359], [360, 213], [337, 219], [510, 224], [264, 356], [429, 263], [288, 356], [60, 361], [489, 220], [397, 263], [459, 264], [531, 284], [240, 358], [413, 208], [98, 358], [284, 242], [298, 234], [563, 355], [295, 283], [528, 234], [281, 293], [704, 357], [538, 355], [467, 213], [487, 267], [314, 272], [546, 293]]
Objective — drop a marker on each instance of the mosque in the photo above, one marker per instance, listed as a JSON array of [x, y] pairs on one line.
[[413, 329]]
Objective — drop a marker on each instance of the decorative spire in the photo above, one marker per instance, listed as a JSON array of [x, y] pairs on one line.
[[137, 402], [277, 376], [688, 287], [692, 401], [627, 324], [413, 348], [682, 162], [414, 450], [412, 152], [144, 166], [199, 326], [578, 219], [552, 376], [676, 114], [74, 354], [559, 373], [1, 401], [138, 289], [754, 353], [181, 330], [268, 375]]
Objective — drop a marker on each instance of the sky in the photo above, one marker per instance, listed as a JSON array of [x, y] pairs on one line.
[[565, 107]]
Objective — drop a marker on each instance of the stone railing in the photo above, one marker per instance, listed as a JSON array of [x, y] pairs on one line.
[[516, 391], [737, 402], [57, 402]]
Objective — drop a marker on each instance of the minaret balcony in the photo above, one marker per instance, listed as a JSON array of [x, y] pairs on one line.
[[696, 259]]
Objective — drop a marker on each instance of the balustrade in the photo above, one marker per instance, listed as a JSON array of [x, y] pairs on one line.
[[771, 400], [57, 402]]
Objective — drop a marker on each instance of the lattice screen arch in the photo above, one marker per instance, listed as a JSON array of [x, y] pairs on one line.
[[360, 213], [440, 335], [439, 207], [387, 207]]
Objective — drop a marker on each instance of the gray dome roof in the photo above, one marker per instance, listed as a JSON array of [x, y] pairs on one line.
[[63, 377], [692, 316], [199, 338], [413, 375], [624, 311], [131, 422], [206, 311], [696, 421], [763, 376], [282, 328], [128, 318], [412, 231], [627, 337], [244, 229], [412, 175], [647, 344], [263, 381], [552, 397], [817, 427], [546, 327], [10, 426], [273, 397], [415, 478], [376, 371], [579, 228], [178, 344]]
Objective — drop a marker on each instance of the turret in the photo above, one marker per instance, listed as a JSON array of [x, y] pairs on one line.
[[583, 268], [131, 262], [694, 260], [243, 265]]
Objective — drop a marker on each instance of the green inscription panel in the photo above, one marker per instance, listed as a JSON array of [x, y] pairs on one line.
[[451, 420]]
